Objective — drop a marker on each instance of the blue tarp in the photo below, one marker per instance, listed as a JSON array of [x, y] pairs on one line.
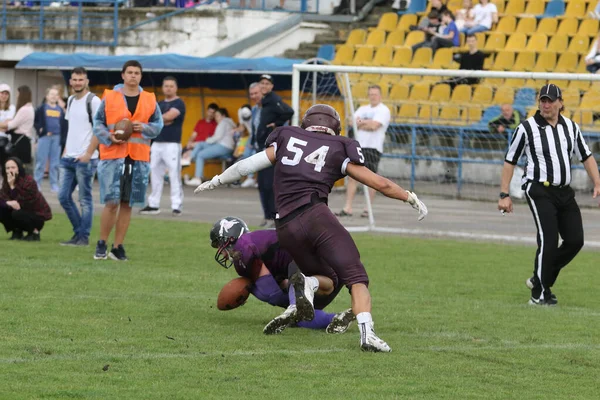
[[212, 72]]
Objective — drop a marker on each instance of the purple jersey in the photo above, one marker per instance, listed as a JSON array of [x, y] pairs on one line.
[[307, 163], [261, 247]]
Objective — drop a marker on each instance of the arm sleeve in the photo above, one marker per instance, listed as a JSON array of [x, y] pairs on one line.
[[517, 146], [154, 126], [581, 148], [100, 129], [255, 163]]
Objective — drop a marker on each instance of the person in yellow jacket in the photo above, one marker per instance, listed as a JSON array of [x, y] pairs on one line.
[[124, 167]]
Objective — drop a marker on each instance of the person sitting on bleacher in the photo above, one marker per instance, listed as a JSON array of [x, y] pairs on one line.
[[432, 27], [485, 14], [219, 145], [508, 120], [464, 14], [472, 60], [592, 60], [449, 37]]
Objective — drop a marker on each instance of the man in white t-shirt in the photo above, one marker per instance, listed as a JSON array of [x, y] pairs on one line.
[[372, 122], [75, 168], [484, 15]]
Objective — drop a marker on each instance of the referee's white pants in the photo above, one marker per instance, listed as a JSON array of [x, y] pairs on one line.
[[163, 157]]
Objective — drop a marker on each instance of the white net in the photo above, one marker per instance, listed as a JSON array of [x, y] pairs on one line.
[[446, 137]]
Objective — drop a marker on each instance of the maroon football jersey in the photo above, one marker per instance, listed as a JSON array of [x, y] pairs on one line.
[[307, 163]]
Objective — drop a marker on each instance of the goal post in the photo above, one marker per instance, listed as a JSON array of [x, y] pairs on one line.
[[440, 141]]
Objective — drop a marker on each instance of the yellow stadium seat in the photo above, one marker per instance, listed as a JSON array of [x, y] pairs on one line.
[[343, 55], [428, 112], [450, 112], [575, 9], [495, 41], [516, 42], [383, 57], [504, 60], [499, 5], [568, 27], [399, 92], [472, 114], [504, 95], [395, 38], [414, 37], [537, 42], [389, 80], [482, 95], [571, 98], [356, 36], [440, 93], [579, 45], [388, 22], [402, 57], [590, 100], [363, 56], [583, 117], [371, 79], [419, 92], [525, 61], [461, 94], [406, 21], [514, 83], [376, 38], [527, 25], [546, 25], [515, 7], [535, 8], [546, 62], [567, 62], [442, 59], [488, 62], [421, 58], [359, 90], [408, 111], [588, 27], [579, 85], [558, 43], [507, 25]]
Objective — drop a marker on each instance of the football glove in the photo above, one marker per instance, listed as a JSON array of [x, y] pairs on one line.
[[417, 204], [208, 185]]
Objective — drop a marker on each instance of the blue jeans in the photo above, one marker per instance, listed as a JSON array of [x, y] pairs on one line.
[[73, 173], [204, 151], [475, 29], [48, 147]]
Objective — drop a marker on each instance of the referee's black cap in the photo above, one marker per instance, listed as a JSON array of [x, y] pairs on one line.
[[551, 91]]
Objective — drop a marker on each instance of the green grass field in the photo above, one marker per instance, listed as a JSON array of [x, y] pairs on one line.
[[454, 313]]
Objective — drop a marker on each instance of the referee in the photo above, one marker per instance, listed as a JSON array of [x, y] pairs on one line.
[[549, 140]]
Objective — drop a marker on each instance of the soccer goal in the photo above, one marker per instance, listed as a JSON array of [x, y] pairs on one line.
[[443, 139]]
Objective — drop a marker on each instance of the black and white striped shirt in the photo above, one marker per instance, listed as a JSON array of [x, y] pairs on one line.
[[548, 149]]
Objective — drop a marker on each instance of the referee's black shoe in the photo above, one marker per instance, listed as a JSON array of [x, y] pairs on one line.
[[531, 284]]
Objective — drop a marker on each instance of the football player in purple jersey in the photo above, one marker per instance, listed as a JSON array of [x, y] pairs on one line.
[[258, 256], [308, 161]]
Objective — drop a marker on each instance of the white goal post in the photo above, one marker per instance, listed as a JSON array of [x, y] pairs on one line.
[[440, 141]]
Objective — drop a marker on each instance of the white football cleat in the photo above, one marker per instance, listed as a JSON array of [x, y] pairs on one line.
[[341, 322], [369, 341], [304, 297], [279, 323]]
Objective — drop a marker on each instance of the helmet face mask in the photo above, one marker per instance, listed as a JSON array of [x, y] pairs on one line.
[[223, 236], [322, 118]]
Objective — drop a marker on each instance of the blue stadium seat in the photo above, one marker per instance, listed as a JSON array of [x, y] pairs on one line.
[[416, 6], [326, 52], [525, 97], [489, 113], [554, 8]]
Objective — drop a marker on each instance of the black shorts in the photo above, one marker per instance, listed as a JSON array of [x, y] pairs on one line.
[[372, 157], [127, 180]]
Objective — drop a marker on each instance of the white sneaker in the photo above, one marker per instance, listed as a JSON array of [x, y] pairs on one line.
[[369, 341], [341, 322], [279, 323], [193, 182], [249, 182], [304, 297], [185, 162]]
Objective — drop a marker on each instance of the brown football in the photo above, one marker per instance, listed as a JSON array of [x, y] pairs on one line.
[[123, 129], [234, 294]]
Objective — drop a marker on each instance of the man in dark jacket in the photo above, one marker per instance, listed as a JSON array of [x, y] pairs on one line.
[[273, 113]]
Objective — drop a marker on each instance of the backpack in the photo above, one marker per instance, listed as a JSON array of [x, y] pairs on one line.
[[88, 105]]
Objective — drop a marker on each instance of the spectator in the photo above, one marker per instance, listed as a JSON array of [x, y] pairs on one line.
[[49, 126], [220, 145], [484, 15], [249, 150], [464, 14], [204, 129], [372, 122], [430, 27], [449, 37], [508, 120], [273, 113], [437, 8], [592, 60], [7, 112], [75, 170], [20, 128], [472, 60], [22, 206], [166, 151]]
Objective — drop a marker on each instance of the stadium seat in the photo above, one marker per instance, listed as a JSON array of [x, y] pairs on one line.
[[547, 25], [535, 8], [489, 113], [343, 55], [395, 39], [356, 36], [526, 25], [375, 38], [576, 9], [500, 5], [504, 95], [482, 95], [363, 56], [558, 43], [589, 100], [554, 8], [571, 98], [514, 83], [419, 92], [588, 27], [579, 45], [537, 42], [371, 79], [461, 94], [421, 58], [383, 57], [525, 97], [406, 21], [583, 117], [531, 112], [568, 27], [388, 22], [504, 60], [326, 52], [488, 62], [516, 42], [449, 113], [442, 59], [402, 57], [496, 41], [567, 62], [579, 85], [515, 7], [525, 61], [399, 92], [414, 37], [546, 62], [440, 93], [506, 25], [408, 111], [472, 114], [428, 113]]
